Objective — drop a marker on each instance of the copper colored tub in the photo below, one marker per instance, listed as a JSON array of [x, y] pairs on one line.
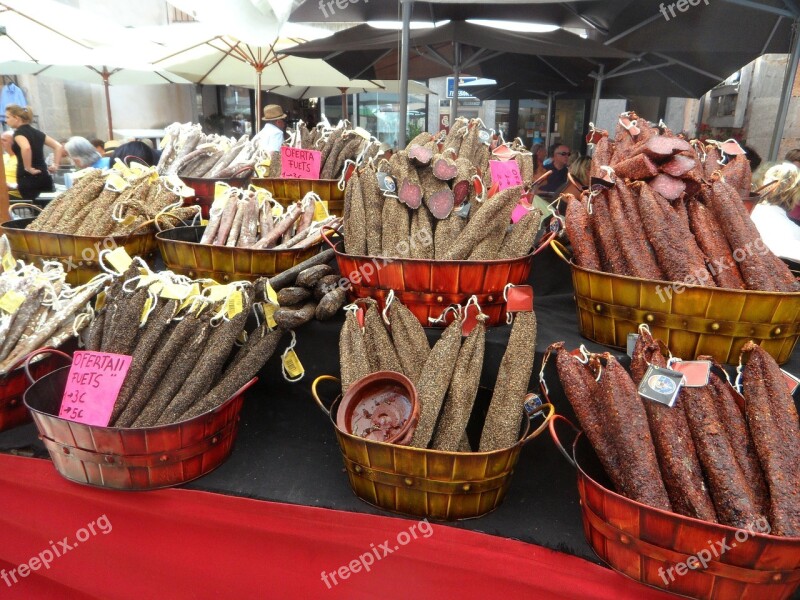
[[287, 191], [12, 388], [419, 482], [699, 320], [428, 287], [78, 253], [132, 459], [182, 253], [204, 189], [644, 543]]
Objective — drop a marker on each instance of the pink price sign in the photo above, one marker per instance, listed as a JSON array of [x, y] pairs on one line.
[[93, 385], [505, 173], [300, 164]]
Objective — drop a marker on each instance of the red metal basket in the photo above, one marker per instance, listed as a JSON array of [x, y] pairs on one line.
[[204, 188], [428, 287], [647, 544], [12, 387], [145, 458]]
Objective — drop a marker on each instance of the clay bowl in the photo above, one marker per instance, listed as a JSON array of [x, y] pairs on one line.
[[382, 407]]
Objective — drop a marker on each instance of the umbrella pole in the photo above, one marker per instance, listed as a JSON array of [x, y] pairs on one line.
[[551, 100], [108, 104], [598, 86], [404, 43], [456, 76], [786, 93], [4, 199], [258, 100], [343, 90]]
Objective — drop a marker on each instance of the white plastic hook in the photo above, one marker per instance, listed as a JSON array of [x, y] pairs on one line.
[[389, 300], [442, 319]]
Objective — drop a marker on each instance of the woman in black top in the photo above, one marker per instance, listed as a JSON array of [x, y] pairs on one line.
[[33, 177]]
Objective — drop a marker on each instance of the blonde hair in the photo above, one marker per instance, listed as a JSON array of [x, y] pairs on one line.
[[787, 191], [579, 169], [21, 112]]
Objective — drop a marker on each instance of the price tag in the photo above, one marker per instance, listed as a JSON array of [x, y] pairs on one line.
[[363, 133], [11, 301], [520, 210], [520, 299], [791, 381], [148, 305], [386, 182], [485, 136], [470, 319], [217, 293], [695, 372], [269, 313], [100, 302], [175, 291], [220, 192], [321, 210], [300, 164], [272, 295], [116, 183], [194, 291], [661, 385], [9, 264], [234, 304], [277, 211], [505, 173], [119, 259], [93, 385], [292, 365], [127, 221]]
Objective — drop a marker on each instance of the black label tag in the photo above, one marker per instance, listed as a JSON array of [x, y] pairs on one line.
[[386, 182], [661, 385]]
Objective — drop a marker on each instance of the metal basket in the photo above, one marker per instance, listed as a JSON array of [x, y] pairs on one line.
[[182, 253], [204, 188], [644, 543], [428, 483], [12, 388], [698, 320], [287, 191], [428, 287], [144, 458], [78, 253]]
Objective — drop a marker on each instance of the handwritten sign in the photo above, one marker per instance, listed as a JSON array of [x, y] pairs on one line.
[[300, 164], [505, 173], [93, 385]]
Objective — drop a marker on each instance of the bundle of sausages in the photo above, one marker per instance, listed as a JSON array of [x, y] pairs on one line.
[[96, 206], [242, 220], [672, 210], [429, 208], [337, 145], [714, 455]]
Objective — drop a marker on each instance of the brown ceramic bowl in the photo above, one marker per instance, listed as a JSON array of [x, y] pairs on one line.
[[382, 407]]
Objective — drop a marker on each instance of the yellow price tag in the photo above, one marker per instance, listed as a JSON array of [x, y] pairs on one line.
[[277, 211], [100, 302], [272, 295], [269, 313], [234, 304], [218, 292], [11, 301], [321, 210], [292, 364], [9, 264], [148, 304], [194, 290], [116, 183], [119, 259], [220, 190], [203, 222], [127, 221], [164, 141]]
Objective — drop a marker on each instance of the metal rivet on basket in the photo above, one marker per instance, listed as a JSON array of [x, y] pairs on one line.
[[110, 459], [777, 331], [649, 318], [163, 458], [490, 298], [439, 299], [226, 278], [408, 481], [715, 326], [466, 487], [214, 440], [598, 307], [357, 469], [777, 577], [191, 274], [624, 539], [14, 402]]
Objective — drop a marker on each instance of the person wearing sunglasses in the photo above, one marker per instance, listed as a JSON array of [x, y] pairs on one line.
[[559, 165]]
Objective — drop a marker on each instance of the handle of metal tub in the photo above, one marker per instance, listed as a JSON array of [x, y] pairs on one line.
[[28, 358], [315, 394], [560, 249], [325, 237], [546, 241], [546, 406], [557, 441]]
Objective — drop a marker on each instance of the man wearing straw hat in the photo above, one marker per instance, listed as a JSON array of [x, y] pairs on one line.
[[273, 130]]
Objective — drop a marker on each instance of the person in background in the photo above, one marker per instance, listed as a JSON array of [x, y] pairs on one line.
[[33, 175], [752, 157], [578, 175], [793, 156], [110, 146], [559, 161], [779, 233], [84, 154], [99, 145], [539, 154], [135, 149], [10, 164], [275, 120]]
